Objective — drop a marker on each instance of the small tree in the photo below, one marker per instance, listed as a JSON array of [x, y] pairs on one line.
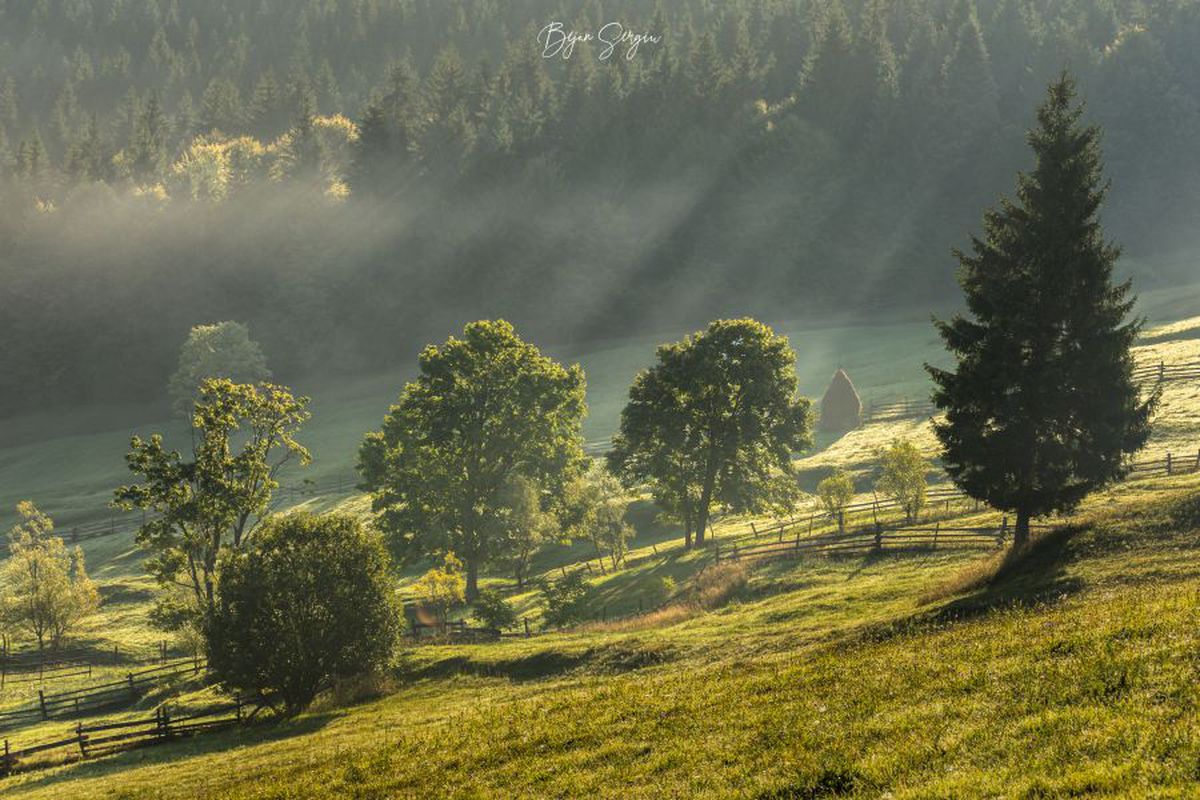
[[596, 507], [442, 588], [494, 611], [215, 500], [566, 599], [716, 421], [836, 492], [526, 526], [45, 587], [220, 350], [483, 410], [902, 471], [311, 602]]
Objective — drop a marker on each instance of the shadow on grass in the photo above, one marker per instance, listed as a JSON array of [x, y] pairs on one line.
[[162, 754], [606, 659]]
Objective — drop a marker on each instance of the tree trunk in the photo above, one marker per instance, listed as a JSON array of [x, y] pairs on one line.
[[1021, 533], [705, 501], [472, 580]]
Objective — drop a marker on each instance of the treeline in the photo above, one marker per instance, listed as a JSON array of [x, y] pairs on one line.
[[350, 174]]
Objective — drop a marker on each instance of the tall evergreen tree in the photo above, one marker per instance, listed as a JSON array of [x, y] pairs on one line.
[[1042, 408]]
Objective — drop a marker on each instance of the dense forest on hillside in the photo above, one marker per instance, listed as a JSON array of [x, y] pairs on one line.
[[354, 177]]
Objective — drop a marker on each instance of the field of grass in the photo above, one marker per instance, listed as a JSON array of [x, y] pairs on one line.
[[1072, 673], [925, 674]]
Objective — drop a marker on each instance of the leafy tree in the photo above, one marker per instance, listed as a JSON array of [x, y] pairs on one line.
[[715, 421], [220, 350], [1042, 408], [597, 505], [310, 602], [526, 525], [242, 436], [566, 600], [836, 492], [484, 410], [442, 588], [44, 586], [902, 472], [494, 611]]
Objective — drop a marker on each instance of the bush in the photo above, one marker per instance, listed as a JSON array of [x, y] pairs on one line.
[[566, 600], [442, 588], [311, 603], [836, 492], [492, 610], [902, 476]]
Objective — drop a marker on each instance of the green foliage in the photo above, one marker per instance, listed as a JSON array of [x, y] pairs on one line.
[[494, 611], [715, 421], [525, 526], [595, 510], [485, 409], [566, 599], [836, 492], [902, 473], [220, 350], [243, 436], [311, 601], [1041, 408], [442, 588], [45, 590]]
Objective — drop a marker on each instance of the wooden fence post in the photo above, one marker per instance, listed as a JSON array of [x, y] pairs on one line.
[[1003, 531], [526, 621], [717, 545], [753, 530], [132, 688], [42, 703], [1169, 462], [237, 698], [936, 530], [878, 537], [82, 739]]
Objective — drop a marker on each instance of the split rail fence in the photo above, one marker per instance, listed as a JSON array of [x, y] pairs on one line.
[[93, 741], [91, 699]]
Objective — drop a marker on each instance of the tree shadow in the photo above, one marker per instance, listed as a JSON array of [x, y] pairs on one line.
[[1032, 576]]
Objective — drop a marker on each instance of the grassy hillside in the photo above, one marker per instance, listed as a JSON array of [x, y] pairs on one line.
[[1071, 673]]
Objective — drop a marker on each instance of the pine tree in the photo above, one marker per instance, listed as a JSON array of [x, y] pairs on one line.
[[1042, 408]]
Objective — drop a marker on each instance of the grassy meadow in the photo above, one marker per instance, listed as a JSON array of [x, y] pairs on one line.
[[938, 674]]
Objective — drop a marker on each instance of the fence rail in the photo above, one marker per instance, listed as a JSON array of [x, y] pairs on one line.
[[96, 740], [90, 699]]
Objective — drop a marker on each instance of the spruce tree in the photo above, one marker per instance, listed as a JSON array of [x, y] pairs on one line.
[[1042, 408]]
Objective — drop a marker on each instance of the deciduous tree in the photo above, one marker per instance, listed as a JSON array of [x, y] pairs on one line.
[[242, 435], [484, 410], [716, 420]]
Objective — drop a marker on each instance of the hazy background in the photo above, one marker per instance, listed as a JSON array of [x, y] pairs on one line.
[[354, 178]]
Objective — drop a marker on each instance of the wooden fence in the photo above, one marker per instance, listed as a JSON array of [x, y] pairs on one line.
[[874, 539], [93, 741], [89, 700]]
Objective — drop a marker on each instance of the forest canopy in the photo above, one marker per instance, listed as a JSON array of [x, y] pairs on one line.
[[353, 175]]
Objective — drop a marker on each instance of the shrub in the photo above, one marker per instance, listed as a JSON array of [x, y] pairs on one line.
[[902, 476], [836, 492], [566, 599], [493, 611], [311, 603], [442, 588]]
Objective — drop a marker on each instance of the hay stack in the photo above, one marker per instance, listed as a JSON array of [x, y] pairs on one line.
[[841, 408]]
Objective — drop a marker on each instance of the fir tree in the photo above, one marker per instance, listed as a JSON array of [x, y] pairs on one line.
[[1042, 409]]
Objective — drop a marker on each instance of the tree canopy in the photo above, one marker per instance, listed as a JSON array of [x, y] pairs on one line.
[[214, 500], [715, 422], [484, 410]]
